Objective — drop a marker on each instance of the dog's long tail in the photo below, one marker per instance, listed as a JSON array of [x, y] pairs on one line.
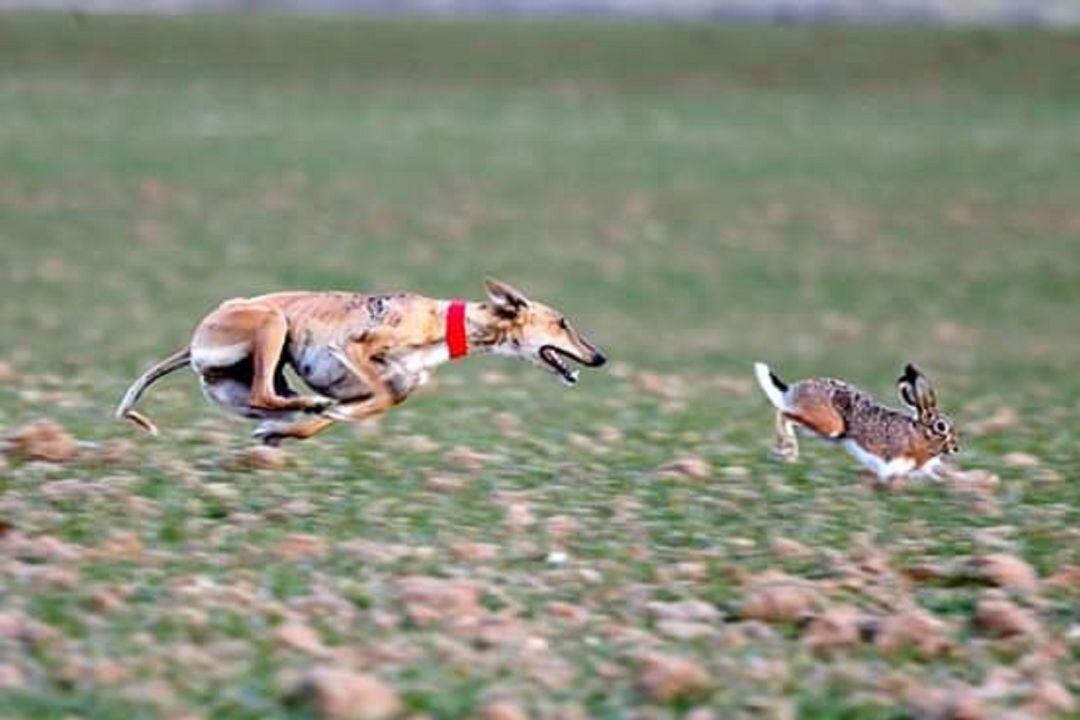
[[775, 388], [124, 410]]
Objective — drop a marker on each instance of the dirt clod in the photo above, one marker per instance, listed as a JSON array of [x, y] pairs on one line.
[[42, 440]]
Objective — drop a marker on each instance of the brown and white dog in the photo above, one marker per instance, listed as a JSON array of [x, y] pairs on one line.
[[362, 354]]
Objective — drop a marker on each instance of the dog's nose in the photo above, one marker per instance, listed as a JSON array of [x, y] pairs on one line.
[[599, 359]]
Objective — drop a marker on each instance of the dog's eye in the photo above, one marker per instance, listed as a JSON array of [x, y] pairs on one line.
[[563, 325]]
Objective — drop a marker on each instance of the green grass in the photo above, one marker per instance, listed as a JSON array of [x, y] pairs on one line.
[[693, 197]]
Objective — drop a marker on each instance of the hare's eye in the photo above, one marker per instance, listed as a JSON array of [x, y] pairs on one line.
[[941, 427]]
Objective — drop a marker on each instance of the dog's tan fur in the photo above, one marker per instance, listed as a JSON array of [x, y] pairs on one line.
[[362, 354]]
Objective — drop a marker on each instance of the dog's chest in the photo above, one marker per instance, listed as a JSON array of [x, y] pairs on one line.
[[317, 366], [413, 368], [321, 369]]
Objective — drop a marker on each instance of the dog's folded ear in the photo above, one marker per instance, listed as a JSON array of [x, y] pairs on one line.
[[507, 299]]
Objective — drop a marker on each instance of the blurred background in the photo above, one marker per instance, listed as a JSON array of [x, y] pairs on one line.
[[1004, 12], [835, 186]]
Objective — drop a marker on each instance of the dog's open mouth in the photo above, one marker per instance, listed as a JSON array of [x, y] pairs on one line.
[[553, 357]]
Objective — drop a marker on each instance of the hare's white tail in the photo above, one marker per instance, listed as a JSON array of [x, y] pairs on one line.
[[773, 387]]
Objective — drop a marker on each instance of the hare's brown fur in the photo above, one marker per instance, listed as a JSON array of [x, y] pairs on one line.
[[835, 409], [889, 442]]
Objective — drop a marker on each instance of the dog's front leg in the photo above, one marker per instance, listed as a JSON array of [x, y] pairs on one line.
[[272, 433]]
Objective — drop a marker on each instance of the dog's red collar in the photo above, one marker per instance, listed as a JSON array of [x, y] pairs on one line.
[[457, 340]]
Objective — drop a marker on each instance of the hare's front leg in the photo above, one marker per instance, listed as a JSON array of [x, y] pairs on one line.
[[787, 444]]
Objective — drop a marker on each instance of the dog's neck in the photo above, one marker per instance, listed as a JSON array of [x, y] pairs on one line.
[[485, 329]]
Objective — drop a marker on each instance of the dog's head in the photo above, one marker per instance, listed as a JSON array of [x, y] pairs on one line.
[[535, 332]]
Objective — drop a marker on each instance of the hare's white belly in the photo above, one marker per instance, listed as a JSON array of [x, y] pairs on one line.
[[882, 467]]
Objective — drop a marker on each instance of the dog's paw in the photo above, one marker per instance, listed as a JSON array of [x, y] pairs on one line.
[[321, 404], [268, 436]]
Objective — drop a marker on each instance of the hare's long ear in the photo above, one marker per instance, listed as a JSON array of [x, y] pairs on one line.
[[507, 299], [905, 386], [923, 392]]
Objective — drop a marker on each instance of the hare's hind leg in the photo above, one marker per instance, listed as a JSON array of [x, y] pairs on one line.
[[787, 444]]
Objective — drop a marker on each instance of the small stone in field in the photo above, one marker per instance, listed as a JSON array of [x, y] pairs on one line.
[[42, 440], [1002, 419], [684, 611], [1001, 618], [104, 600], [7, 372], [300, 546], [560, 527], [507, 423], [474, 551], [300, 637], [1068, 578], [119, 546], [1020, 460], [836, 628], [430, 599], [466, 458], [1049, 698], [691, 467], [977, 482], [420, 444], [664, 678], [567, 611], [258, 457], [443, 483], [11, 677], [778, 603], [340, 694], [683, 631], [503, 710], [963, 704], [915, 629], [115, 451], [700, 713], [609, 434], [519, 516], [788, 548], [1007, 571], [686, 570]]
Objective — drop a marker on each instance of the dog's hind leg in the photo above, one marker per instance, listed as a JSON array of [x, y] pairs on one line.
[[382, 398], [254, 334], [267, 346]]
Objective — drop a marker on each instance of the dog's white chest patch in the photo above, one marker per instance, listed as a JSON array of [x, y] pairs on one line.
[[882, 467], [417, 365]]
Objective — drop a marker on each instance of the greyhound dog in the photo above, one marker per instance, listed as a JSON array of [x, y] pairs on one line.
[[362, 353]]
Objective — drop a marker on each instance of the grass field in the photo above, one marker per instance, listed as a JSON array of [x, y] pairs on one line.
[[695, 198]]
